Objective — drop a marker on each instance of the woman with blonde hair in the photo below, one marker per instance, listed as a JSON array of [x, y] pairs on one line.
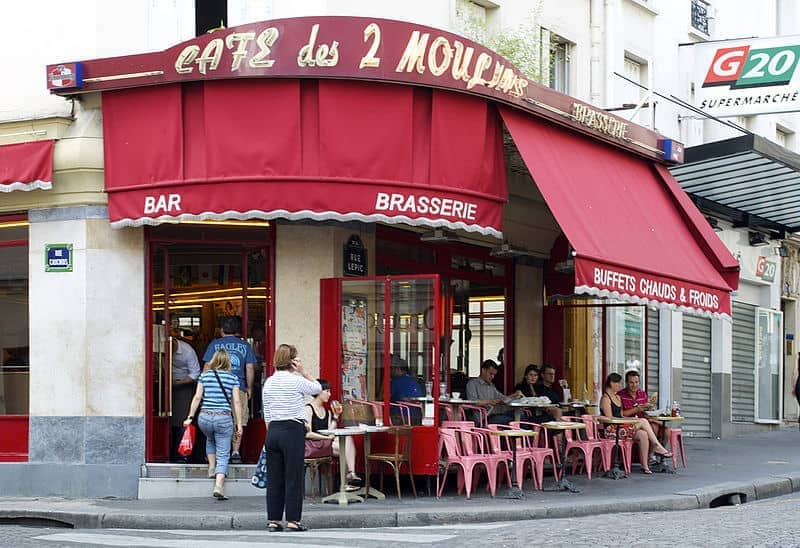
[[284, 412], [217, 388]]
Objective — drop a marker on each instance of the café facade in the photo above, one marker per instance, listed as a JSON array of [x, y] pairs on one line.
[[362, 188]]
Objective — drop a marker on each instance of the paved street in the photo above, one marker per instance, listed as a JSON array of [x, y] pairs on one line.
[[771, 522]]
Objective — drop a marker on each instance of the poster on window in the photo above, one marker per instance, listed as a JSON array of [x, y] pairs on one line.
[[354, 349]]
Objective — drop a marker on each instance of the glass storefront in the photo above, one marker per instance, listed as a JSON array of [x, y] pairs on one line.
[[14, 364], [769, 365]]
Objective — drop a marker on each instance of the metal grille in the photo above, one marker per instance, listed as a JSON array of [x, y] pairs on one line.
[[744, 360], [700, 14], [695, 391]]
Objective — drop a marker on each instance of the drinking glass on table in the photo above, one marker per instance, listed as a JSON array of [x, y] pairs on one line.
[[442, 390], [428, 388], [336, 407]]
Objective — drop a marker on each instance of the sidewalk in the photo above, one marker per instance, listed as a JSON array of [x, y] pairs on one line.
[[757, 466]]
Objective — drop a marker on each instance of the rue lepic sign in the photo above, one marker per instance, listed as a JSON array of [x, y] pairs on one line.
[[58, 258], [744, 77], [355, 257]]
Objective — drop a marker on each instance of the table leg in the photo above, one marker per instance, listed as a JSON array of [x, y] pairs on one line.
[[514, 492], [342, 497], [563, 484], [662, 466], [368, 491], [517, 415], [616, 454]]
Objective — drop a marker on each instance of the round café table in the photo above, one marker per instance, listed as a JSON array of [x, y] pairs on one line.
[[519, 406], [663, 466], [615, 472], [560, 426], [343, 497], [369, 491], [514, 492]]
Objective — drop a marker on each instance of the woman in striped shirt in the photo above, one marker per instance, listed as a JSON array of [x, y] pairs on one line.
[[217, 388], [285, 415]]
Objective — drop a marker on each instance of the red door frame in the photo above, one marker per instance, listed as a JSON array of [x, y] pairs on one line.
[[14, 428], [441, 266], [156, 434], [423, 438]]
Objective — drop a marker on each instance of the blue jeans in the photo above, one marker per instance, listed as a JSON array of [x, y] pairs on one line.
[[219, 431]]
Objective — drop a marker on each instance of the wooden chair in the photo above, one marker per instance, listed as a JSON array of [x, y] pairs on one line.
[[313, 467], [355, 412], [400, 456]]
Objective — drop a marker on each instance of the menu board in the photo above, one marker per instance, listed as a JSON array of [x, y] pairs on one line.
[[354, 349]]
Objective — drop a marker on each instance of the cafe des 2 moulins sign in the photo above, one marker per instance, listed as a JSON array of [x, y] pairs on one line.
[[352, 48]]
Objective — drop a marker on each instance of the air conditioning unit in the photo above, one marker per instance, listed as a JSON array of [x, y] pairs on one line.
[[757, 239], [438, 236]]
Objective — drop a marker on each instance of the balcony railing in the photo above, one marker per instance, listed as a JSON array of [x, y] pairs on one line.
[[700, 13]]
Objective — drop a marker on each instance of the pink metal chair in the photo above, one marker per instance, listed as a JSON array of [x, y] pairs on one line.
[[523, 452], [585, 447], [483, 414], [452, 451], [446, 411], [607, 444], [675, 445], [493, 450], [538, 453]]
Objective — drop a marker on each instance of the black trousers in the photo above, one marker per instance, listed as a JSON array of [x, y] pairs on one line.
[[285, 447]]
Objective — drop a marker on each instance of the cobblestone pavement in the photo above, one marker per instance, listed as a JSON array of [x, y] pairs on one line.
[[770, 522]]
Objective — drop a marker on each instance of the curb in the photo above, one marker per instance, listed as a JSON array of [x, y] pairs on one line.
[[690, 499]]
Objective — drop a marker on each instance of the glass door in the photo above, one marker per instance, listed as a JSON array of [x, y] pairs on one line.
[[193, 286], [769, 366]]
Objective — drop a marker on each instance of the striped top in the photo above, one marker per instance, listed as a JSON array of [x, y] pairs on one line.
[[213, 398], [283, 396]]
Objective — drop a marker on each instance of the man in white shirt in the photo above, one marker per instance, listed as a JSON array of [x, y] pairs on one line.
[[185, 370]]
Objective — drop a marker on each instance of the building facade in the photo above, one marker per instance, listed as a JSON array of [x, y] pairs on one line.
[[143, 257]]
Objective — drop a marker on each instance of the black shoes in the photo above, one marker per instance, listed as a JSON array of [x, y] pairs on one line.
[[236, 458], [274, 527], [298, 528]]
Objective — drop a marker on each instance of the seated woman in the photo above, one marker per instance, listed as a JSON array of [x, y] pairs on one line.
[[321, 445], [611, 406], [527, 387]]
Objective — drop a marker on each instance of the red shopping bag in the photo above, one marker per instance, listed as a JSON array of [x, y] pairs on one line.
[[187, 441]]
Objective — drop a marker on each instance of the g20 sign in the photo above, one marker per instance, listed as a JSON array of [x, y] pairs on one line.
[[747, 77], [743, 67]]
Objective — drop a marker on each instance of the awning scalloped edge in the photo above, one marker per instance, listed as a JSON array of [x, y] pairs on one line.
[[306, 215], [605, 293], [33, 185]]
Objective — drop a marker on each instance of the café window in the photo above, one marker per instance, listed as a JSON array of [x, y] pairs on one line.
[[625, 328], [14, 355], [769, 365]]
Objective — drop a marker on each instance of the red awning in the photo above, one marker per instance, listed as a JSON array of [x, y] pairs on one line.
[[636, 236], [327, 149], [26, 166]]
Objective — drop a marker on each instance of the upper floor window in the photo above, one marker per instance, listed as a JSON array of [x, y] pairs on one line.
[[210, 15], [471, 13], [555, 61], [701, 11]]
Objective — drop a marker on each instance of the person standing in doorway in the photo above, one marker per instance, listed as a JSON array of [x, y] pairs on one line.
[[284, 413], [243, 365], [218, 390], [185, 370]]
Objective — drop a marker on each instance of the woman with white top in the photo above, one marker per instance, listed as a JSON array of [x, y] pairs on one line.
[[285, 416]]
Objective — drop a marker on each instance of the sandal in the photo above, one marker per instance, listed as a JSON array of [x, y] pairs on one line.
[[297, 527], [646, 471], [274, 527], [666, 454], [353, 478]]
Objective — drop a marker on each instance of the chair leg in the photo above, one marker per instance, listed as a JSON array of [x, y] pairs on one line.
[[312, 472], [396, 468], [411, 477]]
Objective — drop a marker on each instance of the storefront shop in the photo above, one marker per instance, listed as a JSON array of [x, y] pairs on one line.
[[369, 189]]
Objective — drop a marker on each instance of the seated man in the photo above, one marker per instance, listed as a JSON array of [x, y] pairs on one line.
[[547, 387], [635, 401], [402, 385], [482, 390]]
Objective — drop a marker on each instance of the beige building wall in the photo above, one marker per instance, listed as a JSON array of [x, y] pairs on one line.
[[305, 254]]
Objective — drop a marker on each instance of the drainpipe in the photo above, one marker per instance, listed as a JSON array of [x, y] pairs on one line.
[[609, 17], [595, 63]]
